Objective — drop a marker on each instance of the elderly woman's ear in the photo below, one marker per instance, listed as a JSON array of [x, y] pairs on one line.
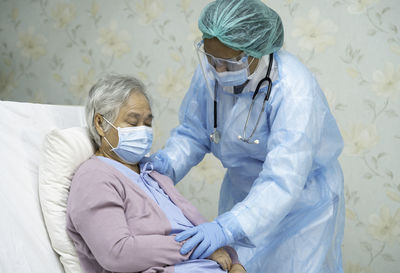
[[98, 123]]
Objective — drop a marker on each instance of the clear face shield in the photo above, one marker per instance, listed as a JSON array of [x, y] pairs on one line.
[[228, 73]]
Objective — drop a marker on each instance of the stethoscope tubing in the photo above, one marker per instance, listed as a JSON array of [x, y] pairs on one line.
[[215, 136]]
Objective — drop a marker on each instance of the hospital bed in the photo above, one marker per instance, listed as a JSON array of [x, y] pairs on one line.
[[29, 242]]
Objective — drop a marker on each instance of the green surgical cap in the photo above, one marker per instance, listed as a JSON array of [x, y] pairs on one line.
[[246, 25]]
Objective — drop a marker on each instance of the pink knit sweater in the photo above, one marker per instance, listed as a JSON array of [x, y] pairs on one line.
[[115, 226]]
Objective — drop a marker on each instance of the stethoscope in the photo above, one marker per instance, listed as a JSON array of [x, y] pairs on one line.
[[216, 135]]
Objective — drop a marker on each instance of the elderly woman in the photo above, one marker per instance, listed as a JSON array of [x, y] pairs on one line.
[[122, 216]]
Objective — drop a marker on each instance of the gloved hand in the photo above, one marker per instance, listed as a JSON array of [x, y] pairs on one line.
[[159, 161], [208, 237]]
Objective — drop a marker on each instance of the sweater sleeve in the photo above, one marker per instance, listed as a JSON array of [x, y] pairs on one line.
[[190, 141], [97, 212]]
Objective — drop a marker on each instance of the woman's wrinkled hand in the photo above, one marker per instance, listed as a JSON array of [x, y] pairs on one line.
[[222, 258], [237, 268]]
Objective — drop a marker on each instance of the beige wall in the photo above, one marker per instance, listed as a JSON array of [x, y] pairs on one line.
[[52, 51]]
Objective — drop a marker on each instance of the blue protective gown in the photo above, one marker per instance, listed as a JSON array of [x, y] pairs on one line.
[[282, 199]]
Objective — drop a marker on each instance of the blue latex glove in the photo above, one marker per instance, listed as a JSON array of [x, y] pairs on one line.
[[208, 237], [159, 161]]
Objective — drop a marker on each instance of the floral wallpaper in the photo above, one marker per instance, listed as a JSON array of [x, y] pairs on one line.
[[53, 51]]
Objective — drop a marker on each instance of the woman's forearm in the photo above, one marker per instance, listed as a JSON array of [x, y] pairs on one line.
[[137, 253]]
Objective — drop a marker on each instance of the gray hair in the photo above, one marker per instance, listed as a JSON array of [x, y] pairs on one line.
[[106, 97]]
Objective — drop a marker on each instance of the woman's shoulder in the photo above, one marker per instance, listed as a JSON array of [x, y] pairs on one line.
[[91, 165], [94, 171], [94, 177]]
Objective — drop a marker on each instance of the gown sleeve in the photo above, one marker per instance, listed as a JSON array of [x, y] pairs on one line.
[[189, 142]]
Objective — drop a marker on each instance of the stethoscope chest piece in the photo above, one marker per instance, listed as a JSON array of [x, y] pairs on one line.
[[215, 136], [246, 140]]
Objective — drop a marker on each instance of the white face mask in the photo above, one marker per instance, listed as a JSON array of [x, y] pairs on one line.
[[133, 142]]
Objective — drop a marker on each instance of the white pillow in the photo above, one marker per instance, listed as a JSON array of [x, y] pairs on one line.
[[63, 151]]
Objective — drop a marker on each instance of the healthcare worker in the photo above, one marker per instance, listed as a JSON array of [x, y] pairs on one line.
[[262, 113]]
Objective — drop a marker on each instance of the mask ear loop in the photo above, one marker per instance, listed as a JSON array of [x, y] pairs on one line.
[[248, 66], [109, 144], [105, 137], [109, 123]]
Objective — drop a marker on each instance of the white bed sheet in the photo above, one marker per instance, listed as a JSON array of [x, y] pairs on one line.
[[24, 243]]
